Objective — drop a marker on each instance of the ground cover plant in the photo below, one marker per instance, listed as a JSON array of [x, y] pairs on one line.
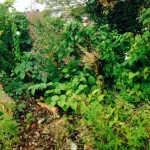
[[92, 78]]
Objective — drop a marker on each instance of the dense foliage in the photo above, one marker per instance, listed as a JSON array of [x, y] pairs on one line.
[[98, 74], [14, 37], [119, 14]]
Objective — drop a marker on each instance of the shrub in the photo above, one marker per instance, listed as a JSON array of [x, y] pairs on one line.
[[14, 36]]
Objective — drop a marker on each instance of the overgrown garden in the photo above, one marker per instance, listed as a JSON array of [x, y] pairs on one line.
[[96, 73]]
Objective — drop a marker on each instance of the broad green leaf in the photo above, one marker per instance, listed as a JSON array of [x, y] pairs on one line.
[[54, 98], [48, 100], [94, 87], [52, 103], [91, 80], [42, 86], [69, 92], [29, 65], [65, 70], [62, 86], [73, 105], [17, 69], [57, 91], [62, 97], [75, 81], [86, 89], [83, 79], [44, 78], [65, 107], [38, 76], [80, 88], [146, 69], [136, 87], [49, 91], [132, 75], [146, 75], [50, 83], [61, 103], [33, 91], [95, 91], [67, 75], [23, 65], [22, 75], [100, 98], [146, 21]]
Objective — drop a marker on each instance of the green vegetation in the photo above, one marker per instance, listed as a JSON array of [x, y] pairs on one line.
[[98, 74], [8, 126]]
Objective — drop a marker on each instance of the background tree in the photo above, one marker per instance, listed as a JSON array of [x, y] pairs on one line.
[[119, 14]]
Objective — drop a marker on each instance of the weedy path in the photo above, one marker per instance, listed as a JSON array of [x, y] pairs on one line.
[[40, 129]]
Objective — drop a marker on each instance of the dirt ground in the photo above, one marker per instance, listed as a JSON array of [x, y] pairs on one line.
[[40, 128]]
